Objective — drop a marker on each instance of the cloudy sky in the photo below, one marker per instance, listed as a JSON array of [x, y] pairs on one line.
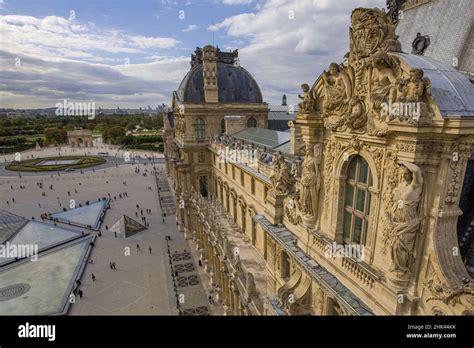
[[132, 53]]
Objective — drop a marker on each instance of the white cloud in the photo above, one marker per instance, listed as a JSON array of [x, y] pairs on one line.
[[190, 27], [290, 42], [236, 2]]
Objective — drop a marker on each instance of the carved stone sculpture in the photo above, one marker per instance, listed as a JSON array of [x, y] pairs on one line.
[[404, 219], [310, 183], [337, 90], [307, 105], [281, 179]]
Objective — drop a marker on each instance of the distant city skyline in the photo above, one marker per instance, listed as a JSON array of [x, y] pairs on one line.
[[136, 53]]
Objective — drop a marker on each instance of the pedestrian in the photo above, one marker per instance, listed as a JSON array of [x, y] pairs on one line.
[[115, 234], [80, 293], [200, 263], [138, 248], [106, 227], [110, 265], [210, 299], [164, 220], [100, 234], [149, 249], [114, 265], [93, 277]]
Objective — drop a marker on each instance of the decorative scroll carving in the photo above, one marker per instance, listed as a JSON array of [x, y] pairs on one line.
[[392, 170], [437, 290]]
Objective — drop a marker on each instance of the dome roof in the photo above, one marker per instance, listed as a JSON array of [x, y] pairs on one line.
[[235, 85], [451, 89]]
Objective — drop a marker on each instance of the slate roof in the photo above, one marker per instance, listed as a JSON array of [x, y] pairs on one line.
[[452, 91], [235, 84]]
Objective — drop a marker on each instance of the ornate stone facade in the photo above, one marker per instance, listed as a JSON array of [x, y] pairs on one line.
[[381, 173]]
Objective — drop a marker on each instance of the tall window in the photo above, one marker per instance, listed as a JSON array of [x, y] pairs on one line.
[[200, 129], [254, 232], [251, 122], [242, 178], [357, 201], [233, 173], [203, 186], [223, 126], [252, 186], [201, 157]]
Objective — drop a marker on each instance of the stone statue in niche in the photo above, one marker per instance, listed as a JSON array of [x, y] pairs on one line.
[[310, 181], [404, 219], [307, 104]]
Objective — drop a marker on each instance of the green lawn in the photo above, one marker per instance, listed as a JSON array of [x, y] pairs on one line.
[[32, 164]]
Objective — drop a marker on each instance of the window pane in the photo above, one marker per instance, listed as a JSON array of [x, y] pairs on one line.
[[349, 201], [360, 200], [347, 225], [357, 230], [351, 172], [364, 170]]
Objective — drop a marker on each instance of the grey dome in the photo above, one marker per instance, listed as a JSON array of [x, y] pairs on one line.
[[451, 89], [235, 85]]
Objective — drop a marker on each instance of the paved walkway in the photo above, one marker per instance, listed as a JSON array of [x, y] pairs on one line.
[[142, 283]]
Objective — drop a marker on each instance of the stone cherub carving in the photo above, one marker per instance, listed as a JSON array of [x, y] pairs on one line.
[[417, 86], [404, 219], [307, 104]]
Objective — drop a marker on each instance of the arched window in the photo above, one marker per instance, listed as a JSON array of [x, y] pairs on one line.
[[285, 265], [357, 201], [223, 126], [251, 122], [200, 128], [203, 186]]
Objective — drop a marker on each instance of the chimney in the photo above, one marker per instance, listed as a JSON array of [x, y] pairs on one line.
[[209, 71]]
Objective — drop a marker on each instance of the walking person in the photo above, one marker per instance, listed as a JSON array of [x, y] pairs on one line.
[[138, 248], [93, 277], [80, 293], [149, 249], [114, 266]]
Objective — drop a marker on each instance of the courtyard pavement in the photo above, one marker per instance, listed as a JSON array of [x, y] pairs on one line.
[[142, 283]]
